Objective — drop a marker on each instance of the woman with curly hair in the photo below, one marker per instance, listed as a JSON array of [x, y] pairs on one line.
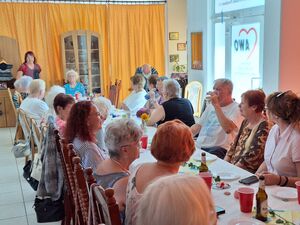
[[82, 125], [170, 153]]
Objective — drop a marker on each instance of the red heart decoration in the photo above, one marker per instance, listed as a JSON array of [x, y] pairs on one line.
[[247, 32]]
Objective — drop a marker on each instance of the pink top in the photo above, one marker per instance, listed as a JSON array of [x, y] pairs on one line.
[[61, 125], [282, 151]]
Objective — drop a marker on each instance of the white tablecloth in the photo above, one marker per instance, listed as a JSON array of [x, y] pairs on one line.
[[228, 202]]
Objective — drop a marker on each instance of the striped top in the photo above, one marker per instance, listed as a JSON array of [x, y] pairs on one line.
[[90, 154]]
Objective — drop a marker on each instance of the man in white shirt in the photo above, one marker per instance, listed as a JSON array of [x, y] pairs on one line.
[[220, 121]]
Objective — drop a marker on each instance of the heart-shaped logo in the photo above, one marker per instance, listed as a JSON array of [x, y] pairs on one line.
[[247, 33]]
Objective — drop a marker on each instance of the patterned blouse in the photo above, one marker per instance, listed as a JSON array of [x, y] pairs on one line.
[[252, 157]]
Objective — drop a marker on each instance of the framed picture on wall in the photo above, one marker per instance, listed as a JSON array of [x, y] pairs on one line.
[[173, 35], [174, 58], [181, 46]]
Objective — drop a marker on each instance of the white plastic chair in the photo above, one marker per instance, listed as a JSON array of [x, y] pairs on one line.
[[193, 92]]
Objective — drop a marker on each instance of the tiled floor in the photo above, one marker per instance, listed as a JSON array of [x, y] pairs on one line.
[[16, 196]]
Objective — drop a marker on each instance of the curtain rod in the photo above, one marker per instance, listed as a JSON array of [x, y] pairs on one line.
[[91, 1]]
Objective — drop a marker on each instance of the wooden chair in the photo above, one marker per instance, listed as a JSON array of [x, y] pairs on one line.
[[104, 207], [82, 190], [114, 92], [69, 204], [193, 92]]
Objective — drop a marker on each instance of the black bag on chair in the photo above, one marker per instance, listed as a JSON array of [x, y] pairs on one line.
[[49, 211], [27, 175]]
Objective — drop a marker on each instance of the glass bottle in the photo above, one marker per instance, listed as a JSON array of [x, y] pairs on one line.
[[261, 201], [203, 166]]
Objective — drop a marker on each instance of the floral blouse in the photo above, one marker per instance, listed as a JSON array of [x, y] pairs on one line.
[[252, 157]]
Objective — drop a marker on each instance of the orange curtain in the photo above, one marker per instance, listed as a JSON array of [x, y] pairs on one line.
[[130, 36]]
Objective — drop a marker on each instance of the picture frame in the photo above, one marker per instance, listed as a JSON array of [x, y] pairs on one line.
[[181, 46], [173, 35], [174, 58]]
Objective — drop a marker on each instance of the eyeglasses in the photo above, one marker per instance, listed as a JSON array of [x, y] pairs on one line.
[[136, 143]]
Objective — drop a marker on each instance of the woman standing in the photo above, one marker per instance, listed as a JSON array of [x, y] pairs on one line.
[[247, 150], [29, 67]]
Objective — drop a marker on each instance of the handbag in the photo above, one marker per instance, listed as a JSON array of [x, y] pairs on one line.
[[49, 211], [21, 149], [36, 170], [27, 175]]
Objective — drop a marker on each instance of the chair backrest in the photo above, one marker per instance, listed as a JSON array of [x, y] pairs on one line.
[[104, 206], [36, 134], [114, 92], [81, 188], [193, 92]]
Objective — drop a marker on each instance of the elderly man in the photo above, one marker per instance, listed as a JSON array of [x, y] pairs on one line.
[[220, 121], [146, 70]]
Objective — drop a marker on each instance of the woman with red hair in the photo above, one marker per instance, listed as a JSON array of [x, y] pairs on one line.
[[82, 125], [172, 145]]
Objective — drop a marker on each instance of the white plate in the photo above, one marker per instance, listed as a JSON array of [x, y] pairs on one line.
[[245, 221], [285, 193], [209, 158], [228, 176]]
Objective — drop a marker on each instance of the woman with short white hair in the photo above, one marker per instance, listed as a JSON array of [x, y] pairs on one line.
[[21, 90], [33, 105], [174, 106], [51, 94], [122, 139], [73, 86], [177, 200]]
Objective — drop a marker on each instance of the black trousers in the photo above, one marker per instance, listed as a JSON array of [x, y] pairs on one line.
[[216, 150]]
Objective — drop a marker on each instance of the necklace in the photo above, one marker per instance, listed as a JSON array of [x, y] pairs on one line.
[[119, 165]]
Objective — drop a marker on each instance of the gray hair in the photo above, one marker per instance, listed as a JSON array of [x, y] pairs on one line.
[[171, 88], [225, 82], [36, 86], [162, 78], [23, 83], [51, 94], [119, 133], [72, 73], [103, 104]]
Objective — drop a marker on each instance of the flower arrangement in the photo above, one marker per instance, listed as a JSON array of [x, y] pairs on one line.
[[145, 117]]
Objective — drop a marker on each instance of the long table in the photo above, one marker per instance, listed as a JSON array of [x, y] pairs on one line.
[[228, 202]]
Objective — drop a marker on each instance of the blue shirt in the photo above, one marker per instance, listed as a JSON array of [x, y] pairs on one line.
[[72, 91]]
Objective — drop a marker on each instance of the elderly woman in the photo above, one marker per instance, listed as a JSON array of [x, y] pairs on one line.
[[247, 150], [33, 105], [281, 164], [122, 138], [174, 107], [73, 86], [21, 90], [190, 195], [136, 99], [82, 125], [104, 107], [51, 94], [62, 105], [170, 153]]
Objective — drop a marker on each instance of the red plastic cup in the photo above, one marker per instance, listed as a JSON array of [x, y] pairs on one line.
[[207, 177], [298, 190], [144, 141], [246, 195]]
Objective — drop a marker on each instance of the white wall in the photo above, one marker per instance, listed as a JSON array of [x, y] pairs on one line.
[[177, 22], [198, 21]]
